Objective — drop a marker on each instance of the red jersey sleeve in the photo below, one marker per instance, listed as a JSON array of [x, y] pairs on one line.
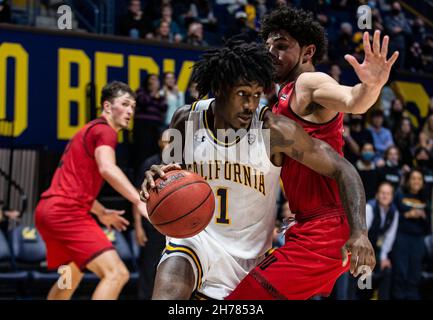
[[101, 135]]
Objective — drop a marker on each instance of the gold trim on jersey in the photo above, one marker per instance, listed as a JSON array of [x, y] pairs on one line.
[[262, 112], [172, 248], [194, 105], [206, 125]]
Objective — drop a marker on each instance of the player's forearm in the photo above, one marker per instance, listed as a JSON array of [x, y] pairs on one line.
[[137, 216], [352, 196], [362, 97], [118, 180]]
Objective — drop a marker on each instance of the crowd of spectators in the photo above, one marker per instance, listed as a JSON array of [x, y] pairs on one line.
[[209, 22]]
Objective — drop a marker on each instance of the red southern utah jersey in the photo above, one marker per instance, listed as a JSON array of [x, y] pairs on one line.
[[310, 194], [77, 176]]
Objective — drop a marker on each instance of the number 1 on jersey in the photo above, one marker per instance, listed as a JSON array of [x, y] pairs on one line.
[[222, 194]]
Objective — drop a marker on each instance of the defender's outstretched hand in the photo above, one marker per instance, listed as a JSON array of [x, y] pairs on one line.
[[375, 69]]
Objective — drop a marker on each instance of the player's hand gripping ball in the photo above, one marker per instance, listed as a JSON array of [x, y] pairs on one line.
[[181, 205]]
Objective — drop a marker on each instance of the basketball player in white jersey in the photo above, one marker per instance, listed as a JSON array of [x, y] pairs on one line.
[[213, 262]]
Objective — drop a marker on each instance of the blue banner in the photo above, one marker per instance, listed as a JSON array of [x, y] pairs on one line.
[[44, 78]]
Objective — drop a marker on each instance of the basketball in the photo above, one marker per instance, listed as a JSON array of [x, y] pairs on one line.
[[182, 205]]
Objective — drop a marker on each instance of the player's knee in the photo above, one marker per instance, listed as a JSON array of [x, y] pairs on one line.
[[118, 274]]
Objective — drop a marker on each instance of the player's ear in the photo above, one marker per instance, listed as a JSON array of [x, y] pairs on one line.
[[309, 52], [106, 106]]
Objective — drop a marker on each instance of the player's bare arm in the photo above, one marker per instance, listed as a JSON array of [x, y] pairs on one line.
[[106, 160], [157, 171], [373, 73], [289, 138]]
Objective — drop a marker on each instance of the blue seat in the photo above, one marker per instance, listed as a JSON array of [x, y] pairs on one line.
[[8, 273]]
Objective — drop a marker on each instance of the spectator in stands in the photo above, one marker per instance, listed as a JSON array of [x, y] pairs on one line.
[[163, 34], [382, 222], [173, 97], [395, 115], [426, 134], [195, 35], [414, 60], [398, 29], [390, 171], [5, 12], [134, 24], [414, 224], [192, 93], [344, 43], [355, 135], [427, 54], [367, 170], [201, 11], [418, 30], [422, 161], [405, 140], [240, 30], [382, 136], [174, 31], [148, 119], [150, 240], [335, 72]]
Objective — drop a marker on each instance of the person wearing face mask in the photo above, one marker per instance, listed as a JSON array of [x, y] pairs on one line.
[[423, 162], [355, 135], [414, 224], [391, 172], [367, 170]]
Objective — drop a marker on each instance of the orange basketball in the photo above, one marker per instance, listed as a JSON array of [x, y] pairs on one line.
[[182, 205]]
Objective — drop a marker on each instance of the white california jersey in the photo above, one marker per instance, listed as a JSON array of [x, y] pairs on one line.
[[244, 181]]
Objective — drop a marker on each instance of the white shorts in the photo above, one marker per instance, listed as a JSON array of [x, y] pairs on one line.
[[216, 272]]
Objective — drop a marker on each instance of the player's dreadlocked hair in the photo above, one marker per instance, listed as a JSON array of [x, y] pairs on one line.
[[300, 25], [220, 69]]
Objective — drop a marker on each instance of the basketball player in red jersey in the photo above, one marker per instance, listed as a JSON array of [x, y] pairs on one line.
[[71, 235], [318, 246]]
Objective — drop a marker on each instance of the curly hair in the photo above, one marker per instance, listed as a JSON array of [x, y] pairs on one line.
[[300, 24], [220, 69]]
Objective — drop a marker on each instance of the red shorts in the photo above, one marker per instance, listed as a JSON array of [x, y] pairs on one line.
[[70, 233], [307, 265]]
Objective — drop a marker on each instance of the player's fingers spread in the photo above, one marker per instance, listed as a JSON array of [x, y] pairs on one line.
[[393, 59], [384, 49], [376, 42], [366, 43], [352, 61]]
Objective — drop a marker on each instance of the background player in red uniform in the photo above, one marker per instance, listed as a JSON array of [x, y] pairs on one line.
[[72, 236], [316, 102]]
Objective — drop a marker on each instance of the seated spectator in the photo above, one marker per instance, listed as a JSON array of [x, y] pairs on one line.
[[427, 54], [382, 222], [163, 34], [173, 96], [5, 12], [394, 115], [426, 134], [423, 162], [355, 135], [134, 24], [382, 137], [367, 170], [191, 94], [240, 30], [167, 16], [408, 250], [414, 60], [194, 36], [398, 29], [390, 172], [418, 30], [405, 139]]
